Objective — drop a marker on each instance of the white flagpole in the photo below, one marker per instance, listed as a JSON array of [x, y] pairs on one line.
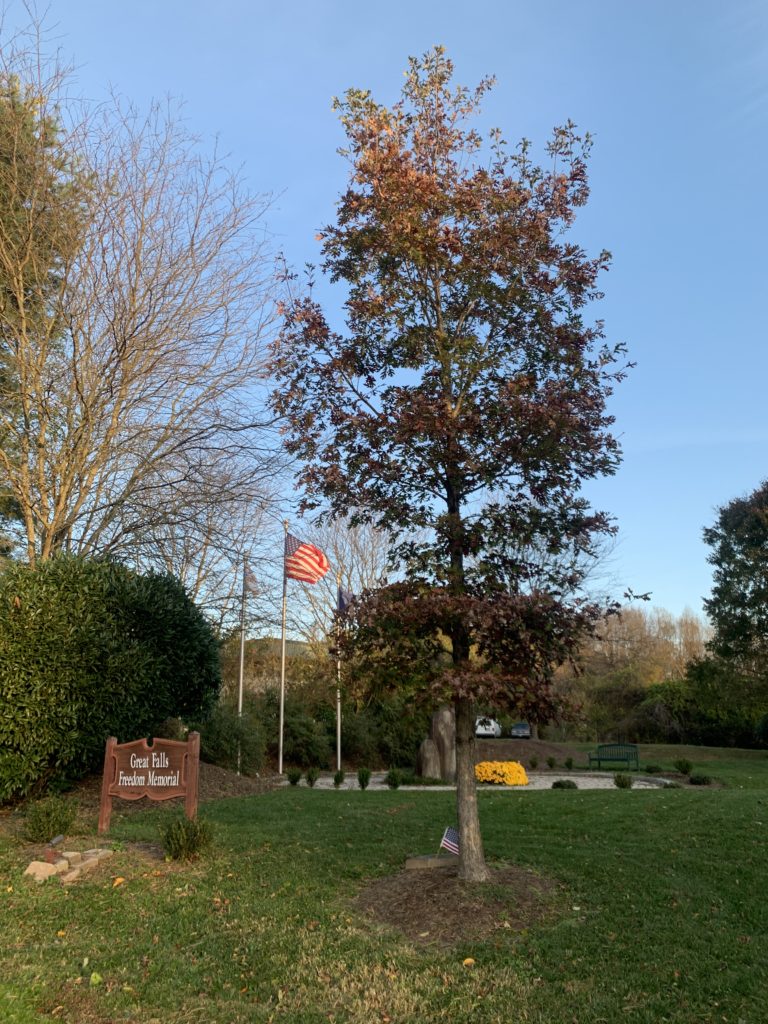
[[282, 664], [338, 674], [242, 664]]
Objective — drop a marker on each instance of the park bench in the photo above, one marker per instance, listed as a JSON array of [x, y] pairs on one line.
[[615, 753]]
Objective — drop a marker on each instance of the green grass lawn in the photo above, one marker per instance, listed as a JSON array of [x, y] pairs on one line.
[[661, 913]]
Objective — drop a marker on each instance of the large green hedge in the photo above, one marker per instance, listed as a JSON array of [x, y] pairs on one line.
[[90, 649]]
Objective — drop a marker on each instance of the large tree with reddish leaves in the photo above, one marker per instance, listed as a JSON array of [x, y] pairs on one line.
[[465, 404]]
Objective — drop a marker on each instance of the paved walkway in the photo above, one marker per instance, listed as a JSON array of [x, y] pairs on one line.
[[536, 780]]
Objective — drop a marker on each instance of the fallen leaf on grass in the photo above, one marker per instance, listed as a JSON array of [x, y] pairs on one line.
[[117, 881], [469, 962]]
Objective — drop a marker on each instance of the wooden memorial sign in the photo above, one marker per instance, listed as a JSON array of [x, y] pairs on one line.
[[160, 770]]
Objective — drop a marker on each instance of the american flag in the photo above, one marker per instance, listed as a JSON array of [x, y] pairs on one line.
[[303, 561], [450, 840], [249, 580]]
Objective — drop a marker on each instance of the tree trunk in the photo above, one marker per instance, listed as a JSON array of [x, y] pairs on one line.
[[472, 866]]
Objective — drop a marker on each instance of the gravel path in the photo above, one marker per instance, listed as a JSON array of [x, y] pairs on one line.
[[536, 780]]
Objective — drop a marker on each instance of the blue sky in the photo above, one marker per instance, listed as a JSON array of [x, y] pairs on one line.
[[677, 98]]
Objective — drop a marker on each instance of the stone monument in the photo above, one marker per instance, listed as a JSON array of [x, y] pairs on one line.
[[437, 753]]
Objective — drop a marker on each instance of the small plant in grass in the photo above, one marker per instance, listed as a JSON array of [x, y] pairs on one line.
[[313, 774], [338, 778], [551, 761], [623, 781], [187, 840], [699, 779], [568, 762], [564, 784], [48, 818], [533, 761], [363, 777], [683, 765], [653, 769], [294, 776], [394, 778]]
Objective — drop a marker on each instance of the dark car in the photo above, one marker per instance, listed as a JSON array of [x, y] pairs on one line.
[[520, 731]]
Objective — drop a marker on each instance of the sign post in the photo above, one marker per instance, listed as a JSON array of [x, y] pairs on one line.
[[160, 771]]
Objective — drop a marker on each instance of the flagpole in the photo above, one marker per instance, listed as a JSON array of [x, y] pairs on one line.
[[338, 673], [282, 662], [242, 666]]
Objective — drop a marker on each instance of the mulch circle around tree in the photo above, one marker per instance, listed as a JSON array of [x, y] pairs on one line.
[[434, 906]]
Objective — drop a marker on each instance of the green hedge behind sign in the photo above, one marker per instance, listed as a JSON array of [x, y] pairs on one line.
[[90, 649]]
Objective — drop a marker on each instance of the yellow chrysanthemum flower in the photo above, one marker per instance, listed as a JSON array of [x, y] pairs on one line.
[[501, 773]]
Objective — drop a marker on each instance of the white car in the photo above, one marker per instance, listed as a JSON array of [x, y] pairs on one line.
[[487, 728]]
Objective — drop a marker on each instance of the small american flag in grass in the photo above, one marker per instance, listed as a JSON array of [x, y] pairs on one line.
[[450, 840]]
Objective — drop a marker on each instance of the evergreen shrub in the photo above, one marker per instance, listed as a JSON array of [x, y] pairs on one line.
[[699, 779], [88, 650], [187, 840], [224, 733], [47, 818]]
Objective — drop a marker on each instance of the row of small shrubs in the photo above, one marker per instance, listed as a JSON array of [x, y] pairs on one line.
[[312, 774], [685, 767], [551, 762], [623, 781], [394, 778], [620, 780]]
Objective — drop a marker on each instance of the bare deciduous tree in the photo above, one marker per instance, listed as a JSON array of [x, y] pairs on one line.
[[135, 286], [359, 556]]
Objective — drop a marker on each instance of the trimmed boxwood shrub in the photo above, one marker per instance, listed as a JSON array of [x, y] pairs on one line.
[[699, 779], [90, 649]]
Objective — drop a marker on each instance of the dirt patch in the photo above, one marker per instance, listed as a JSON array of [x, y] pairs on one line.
[[435, 907]]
